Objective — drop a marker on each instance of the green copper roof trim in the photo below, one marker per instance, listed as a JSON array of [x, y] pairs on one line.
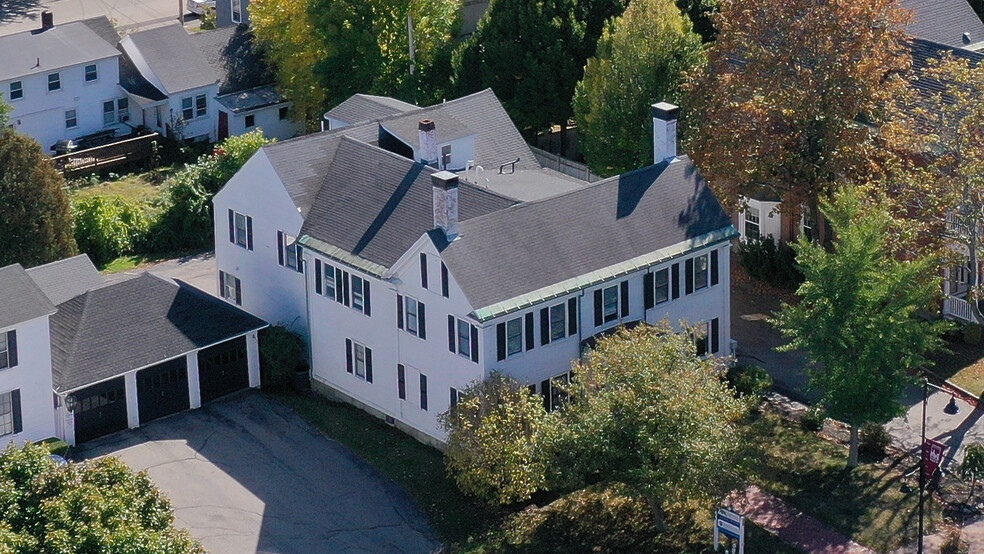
[[343, 256], [604, 274]]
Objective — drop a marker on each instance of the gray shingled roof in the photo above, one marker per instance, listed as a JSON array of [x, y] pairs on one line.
[[251, 99], [945, 22], [406, 127], [376, 204], [65, 279], [924, 50], [111, 330], [175, 58], [61, 46], [20, 300], [533, 245], [364, 107]]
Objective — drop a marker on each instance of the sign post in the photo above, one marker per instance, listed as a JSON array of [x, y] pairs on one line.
[[730, 524], [932, 457]]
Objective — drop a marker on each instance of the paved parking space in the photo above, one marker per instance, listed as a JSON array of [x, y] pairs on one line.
[[128, 15], [246, 474]]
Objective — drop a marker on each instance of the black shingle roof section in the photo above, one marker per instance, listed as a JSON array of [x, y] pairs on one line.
[[135, 323], [925, 50], [533, 245], [20, 298], [945, 22], [376, 204], [65, 279]]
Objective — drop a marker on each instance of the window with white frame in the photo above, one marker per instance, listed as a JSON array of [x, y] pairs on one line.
[[292, 252], [201, 105], [514, 336], [231, 288], [558, 322], [123, 109], [359, 358], [661, 281], [4, 352], [412, 315], [701, 272], [236, 9], [7, 426], [456, 397], [241, 230], [91, 73], [16, 90], [71, 119], [188, 108], [328, 278], [701, 333], [109, 112], [609, 298], [54, 82], [359, 286], [752, 223], [464, 339]]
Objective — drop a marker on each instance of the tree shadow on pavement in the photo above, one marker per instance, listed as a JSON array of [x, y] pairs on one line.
[[18, 9]]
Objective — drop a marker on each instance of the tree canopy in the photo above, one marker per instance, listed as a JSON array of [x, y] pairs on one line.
[[36, 227], [794, 95], [98, 506], [641, 58], [857, 316]]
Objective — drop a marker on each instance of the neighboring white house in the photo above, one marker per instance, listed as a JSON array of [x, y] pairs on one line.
[[62, 81], [436, 250]]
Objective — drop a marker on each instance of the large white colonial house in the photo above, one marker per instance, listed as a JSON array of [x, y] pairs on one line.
[[420, 249], [81, 358]]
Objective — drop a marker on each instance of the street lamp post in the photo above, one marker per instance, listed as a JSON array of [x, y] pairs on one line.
[[950, 409]]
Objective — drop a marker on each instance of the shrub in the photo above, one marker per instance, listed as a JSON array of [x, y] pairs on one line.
[[952, 543], [874, 439], [766, 261], [813, 419], [108, 226], [749, 380], [972, 333], [283, 352]]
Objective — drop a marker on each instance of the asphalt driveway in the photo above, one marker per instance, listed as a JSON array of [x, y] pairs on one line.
[[246, 474]]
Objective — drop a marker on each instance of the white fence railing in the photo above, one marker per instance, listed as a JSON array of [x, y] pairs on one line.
[[958, 308]]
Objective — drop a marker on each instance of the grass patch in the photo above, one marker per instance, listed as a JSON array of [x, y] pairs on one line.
[[136, 187], [963, 366], [811, 473], [417, 467], [137, 261]]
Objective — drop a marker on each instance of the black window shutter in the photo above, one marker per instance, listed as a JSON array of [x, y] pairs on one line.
[[239, 292], [715, 343], [451, 333], [572, 316], [530, 338], [625, 299], [445, 286], [423, 392], [474, 344], [366, 298], [545, 326], [454, 398], [599, 316], [500, 341], [348, 355], [222, 284], [649, 290], [317, 276], [369, 365], [399, 311], [714, 267], [545, 391], [401, 381], [690, 277], [249, 233], [280, 247], [12, 348], [15, 404], [675, 280], [423, 270], [339, 293], [232, 226], [421, 321], [345, 288]]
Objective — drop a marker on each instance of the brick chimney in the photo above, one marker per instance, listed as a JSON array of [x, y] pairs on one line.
[[446, 203], [665, 117], [428, 151], [47, 20]]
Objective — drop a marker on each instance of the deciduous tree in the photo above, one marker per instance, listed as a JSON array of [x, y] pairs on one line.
[[36, 227], [794, 94], [642, 57], [856, 316]]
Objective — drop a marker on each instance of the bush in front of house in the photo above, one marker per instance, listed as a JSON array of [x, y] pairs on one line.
[[874, 439], [749, 380], [282, 353], [766, 261], [813, 419], [107, 227]]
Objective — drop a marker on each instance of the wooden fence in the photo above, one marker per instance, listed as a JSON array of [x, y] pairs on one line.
[[117, 153], [563, 165]]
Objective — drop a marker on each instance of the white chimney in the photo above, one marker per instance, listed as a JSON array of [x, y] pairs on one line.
[[446, 203], [427, 135], [665, 117]]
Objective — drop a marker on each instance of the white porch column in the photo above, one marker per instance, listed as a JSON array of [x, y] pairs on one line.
[[67, 422], [253, 358], [194, 384], [132, 405]]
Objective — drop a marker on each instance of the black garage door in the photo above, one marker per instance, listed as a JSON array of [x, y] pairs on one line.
[[222, 369], [100, 410], [163, 389]]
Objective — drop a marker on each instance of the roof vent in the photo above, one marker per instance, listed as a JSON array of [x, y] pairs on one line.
[[966, 38]]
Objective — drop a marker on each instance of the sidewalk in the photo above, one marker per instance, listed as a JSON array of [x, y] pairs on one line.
[[791, 525]]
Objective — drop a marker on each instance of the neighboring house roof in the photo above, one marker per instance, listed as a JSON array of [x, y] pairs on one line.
[[104, 28], [364, 107], [65, 279], [945, 22], [136, 84], [21, 299], [925, 50], [533, 246], [252, 99], [174, 58], [135, 323], [37, 51], [406, 127], [375, 204], [233, 55]]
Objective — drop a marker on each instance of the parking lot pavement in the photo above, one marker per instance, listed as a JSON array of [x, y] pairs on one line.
[[198, 270], [246, 474], [127, 15]]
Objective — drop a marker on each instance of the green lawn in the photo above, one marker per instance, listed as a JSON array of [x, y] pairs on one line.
[[963, 366], [136, 261], [136, 187]]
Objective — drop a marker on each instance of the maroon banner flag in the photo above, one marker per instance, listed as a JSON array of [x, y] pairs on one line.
[[932, 457]]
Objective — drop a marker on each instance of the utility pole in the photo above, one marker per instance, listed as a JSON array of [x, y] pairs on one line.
[[413, 55], [181, 12]]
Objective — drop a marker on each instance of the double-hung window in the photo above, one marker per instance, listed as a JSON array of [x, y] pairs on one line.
[[231, 288], [289, 252], [358, 360], [188, 108], [609, 298], [201, 105], [109, 112], [411, 316], [236, 9], [701, 270], [16, 90], [411, 312], [464, 339], [241, 229], [701, 333], [91, 73], [752, 222], [54, 82], [558, 322], [123, 109], [360, 294], [8, 349], [661, 281], [9, 406], [514, 336], [71, 119]]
